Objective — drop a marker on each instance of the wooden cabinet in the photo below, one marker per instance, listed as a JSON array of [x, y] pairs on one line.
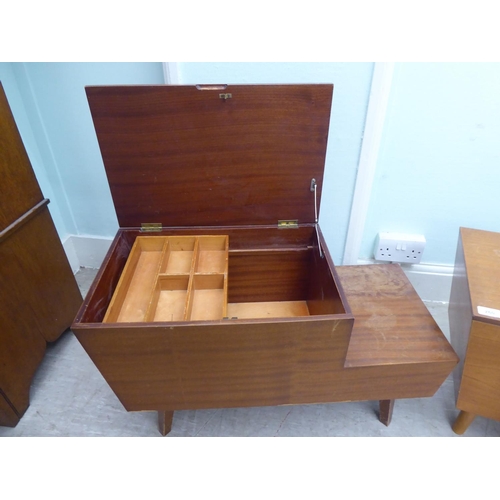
[[238, 170], [39, 295], [474, 314]]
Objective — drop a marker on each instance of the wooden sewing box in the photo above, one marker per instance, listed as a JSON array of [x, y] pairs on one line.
[[218, 289]]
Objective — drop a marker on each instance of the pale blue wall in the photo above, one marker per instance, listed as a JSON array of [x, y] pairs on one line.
[[54, 99], [350, 100], [438, 168], [11, 87], [439, 164]]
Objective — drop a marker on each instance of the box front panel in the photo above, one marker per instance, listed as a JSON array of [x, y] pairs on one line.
[[222, 365]]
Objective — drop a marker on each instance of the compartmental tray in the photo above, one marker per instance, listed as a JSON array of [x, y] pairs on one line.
[[185, 278], [172, 278]]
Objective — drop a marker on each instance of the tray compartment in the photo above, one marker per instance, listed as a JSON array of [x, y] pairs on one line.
[[263, 282], [212, 254], [278, 309], [178, 257], [169, 299], [207, 298], [132, 295]]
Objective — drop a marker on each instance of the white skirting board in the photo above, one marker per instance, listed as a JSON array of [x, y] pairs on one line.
[[432, 282], [86, 251]]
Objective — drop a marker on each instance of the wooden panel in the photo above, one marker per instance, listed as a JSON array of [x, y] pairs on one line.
[[282, 362], [33, 262], [240, 238], [392, 323], [268, 275], [324, 288], [246, 310], [223, 365], [22, 346], [480, 387], [20, 190], [482, 260], [252, 156]]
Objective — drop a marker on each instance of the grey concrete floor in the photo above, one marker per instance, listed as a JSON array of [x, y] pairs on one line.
[[69, 397]]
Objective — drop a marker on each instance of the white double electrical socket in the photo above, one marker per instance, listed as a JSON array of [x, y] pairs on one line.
[[399, 247]]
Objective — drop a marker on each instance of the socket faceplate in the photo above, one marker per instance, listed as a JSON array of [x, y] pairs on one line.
[[399, 247]]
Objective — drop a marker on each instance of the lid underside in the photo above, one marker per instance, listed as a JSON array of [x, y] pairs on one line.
[[212, 155]]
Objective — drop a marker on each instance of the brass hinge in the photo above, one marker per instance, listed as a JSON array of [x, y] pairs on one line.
[[149, 227], [288, 224]]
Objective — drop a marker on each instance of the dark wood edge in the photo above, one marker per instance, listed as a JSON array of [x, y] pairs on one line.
[[98, 277], [172, 324], [207, 229], [26, 217], [328, 257]]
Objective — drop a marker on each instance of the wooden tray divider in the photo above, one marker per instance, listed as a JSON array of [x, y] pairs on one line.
[[138, 278], [180, 255], [186, 281], [168, 302]]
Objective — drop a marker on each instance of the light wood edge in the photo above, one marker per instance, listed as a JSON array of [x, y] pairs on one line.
[[123, 285], [226, 272], [189, 296], [155, 291]]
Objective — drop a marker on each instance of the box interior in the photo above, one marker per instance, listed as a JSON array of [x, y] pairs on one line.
[[229, 274]]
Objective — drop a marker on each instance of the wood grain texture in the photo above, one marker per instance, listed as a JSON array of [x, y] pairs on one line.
[[241, 238], [255, 363], [39, 295], [39, 298], [480, 386], [226, 364], [15, 166], [34, 264], [474, 335], [393, 326], [253, 156], [21, 348], [482, 262]]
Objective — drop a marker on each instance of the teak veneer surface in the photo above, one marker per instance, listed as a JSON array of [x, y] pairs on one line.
[[172, 278], [252, 156], [482, 260], [39, 295], [476, 336], [392, 324], [286, 362], [20, 189]]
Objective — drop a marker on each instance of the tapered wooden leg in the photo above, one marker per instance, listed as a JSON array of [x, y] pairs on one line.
[[165, 421], [386, 406], [462, 422]]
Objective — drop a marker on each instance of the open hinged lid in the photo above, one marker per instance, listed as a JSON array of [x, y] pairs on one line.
[[212, 155]]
